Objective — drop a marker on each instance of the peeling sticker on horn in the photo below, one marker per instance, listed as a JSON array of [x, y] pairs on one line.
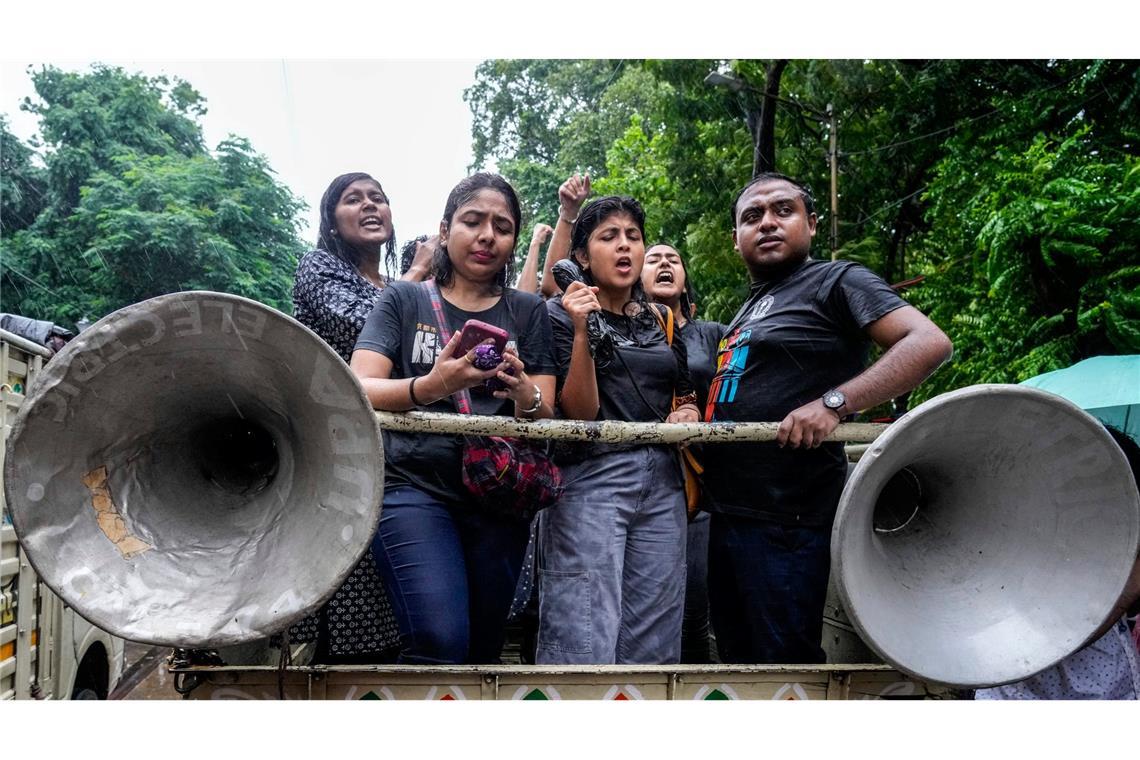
[[107, 515]]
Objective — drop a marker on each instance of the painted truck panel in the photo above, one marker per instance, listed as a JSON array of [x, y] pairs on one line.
[[47, 651]]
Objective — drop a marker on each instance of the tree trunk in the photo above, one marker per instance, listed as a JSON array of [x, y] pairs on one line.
[[763, 125], [894, 248], [907, 220]]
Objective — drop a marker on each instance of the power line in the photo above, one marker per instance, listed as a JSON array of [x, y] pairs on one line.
[[617, 67], [969, 120], [952, 127], [8, 265], [936, 132], [891, 205]]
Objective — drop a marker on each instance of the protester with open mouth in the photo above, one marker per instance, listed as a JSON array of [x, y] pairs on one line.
[[666, 281], [450, 566], [612, 549], [334, 289]]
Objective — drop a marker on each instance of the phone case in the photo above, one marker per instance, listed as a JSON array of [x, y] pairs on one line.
[[475, 332]]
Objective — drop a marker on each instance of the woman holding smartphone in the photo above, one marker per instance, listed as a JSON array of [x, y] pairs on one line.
[[451, 568], [612, 553]]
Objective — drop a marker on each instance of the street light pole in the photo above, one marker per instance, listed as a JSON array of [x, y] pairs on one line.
[[833, 159]]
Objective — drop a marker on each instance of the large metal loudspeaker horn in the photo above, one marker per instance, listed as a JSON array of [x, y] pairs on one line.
[[201, 471], [986, 535]]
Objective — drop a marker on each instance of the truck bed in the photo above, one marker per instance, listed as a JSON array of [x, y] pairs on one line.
[[553, 682]]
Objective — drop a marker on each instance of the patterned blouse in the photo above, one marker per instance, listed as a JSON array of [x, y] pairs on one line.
[[333, 300], [1108, 668]]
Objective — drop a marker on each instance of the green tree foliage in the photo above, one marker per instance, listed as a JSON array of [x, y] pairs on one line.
[[1038, 266], [131, 205], [539, 121], [1009, 186], [22, 185]]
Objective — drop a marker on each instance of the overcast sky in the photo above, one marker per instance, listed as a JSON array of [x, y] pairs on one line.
[[379, 89], [403, 122]]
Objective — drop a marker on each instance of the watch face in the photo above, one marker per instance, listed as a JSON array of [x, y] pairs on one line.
[[833, 400]]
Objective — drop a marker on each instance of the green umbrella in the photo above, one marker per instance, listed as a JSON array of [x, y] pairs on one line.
[[1107, 387]]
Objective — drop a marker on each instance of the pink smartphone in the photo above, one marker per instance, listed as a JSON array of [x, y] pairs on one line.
[[475, 332]]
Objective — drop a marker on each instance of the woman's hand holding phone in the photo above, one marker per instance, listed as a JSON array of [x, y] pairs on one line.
[[514, 383], [485, 346], [475, 332], [455, 371]]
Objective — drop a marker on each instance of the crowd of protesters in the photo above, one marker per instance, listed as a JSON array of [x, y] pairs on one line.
[[649, 555]]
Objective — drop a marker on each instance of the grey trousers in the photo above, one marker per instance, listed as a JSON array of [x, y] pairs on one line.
[[612, 562]]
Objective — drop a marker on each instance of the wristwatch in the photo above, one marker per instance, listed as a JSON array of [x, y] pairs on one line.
[[835, 400], [534, 407]]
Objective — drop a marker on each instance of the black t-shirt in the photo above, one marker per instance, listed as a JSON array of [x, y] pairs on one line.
[[701, 340], [403, 328], [793, 340], [638, 385]]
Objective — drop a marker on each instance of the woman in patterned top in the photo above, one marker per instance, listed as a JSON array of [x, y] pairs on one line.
[[334, 290], [337, 284]]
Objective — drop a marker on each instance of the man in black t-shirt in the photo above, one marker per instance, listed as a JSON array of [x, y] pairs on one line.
[[795, 352]]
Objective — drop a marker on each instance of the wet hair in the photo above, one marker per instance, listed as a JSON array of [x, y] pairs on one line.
[[408, 253], [1130, 448], [805, 191], [591, 217], [689, 294], [462, 193], [327, 241]]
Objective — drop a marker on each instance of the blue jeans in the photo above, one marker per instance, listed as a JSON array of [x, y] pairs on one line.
[[767, 590], [450, 573], [612, 568]]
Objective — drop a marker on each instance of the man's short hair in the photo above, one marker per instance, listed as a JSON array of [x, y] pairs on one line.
[[1130, 448], [805, 191]]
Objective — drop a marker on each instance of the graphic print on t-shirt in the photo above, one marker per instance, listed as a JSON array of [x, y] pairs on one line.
[[762, 308], [732, 356], [425, 344]]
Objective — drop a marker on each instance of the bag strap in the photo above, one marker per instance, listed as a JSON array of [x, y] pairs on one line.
[[463, 397], [666, 323]]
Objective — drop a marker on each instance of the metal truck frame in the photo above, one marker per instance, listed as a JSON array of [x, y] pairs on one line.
[[47, 651]]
